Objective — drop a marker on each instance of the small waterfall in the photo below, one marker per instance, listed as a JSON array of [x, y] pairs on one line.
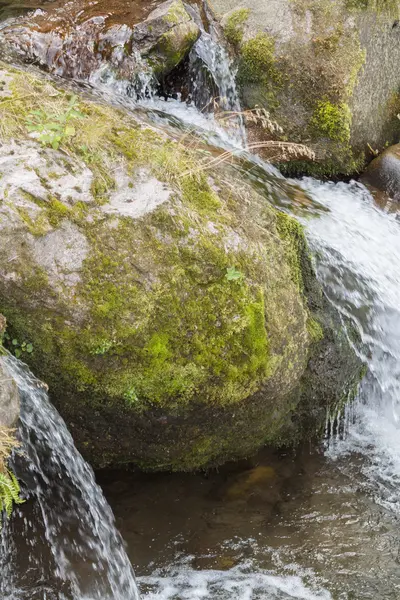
[[357, 246], [73, 549], [216, 61], [212, 78]]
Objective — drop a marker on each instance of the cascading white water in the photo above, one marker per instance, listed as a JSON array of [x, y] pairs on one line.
[[214, 56], [357, 246], [87, 556], [210, 55]]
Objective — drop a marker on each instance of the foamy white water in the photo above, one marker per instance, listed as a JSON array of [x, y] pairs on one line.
[[244, 582], [357, 246]]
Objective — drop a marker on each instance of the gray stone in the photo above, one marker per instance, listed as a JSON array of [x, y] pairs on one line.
[[138, 198], [9, 397], [333, 80]]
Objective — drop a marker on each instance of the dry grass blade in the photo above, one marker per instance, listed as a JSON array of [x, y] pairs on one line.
[[279, 152], [8, 442], [255, 117]]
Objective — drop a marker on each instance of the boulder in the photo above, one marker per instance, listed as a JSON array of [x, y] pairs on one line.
[[9, 398], [383, 173], [96, 44], [9, 395], [325, 71], [172, 310]]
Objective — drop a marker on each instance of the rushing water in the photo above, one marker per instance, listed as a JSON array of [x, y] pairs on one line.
[[64, 543], [357, 245]]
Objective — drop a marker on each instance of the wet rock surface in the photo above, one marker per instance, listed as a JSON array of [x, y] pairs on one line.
[[9, 397], [383, 173], [80, 41]]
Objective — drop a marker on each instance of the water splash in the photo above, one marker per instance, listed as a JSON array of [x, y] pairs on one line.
[[243, 582], [213, 78], [357, 245], [77, 529]]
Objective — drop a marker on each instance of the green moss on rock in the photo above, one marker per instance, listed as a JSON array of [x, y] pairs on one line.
[[258, 62], [307, 83], [173, 46], [332, 120], [234, 25]]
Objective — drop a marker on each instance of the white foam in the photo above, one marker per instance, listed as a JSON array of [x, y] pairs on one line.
[[242, 582], [358, 249]]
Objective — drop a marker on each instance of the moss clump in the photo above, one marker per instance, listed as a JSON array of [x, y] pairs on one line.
[[389, 7], [292, 234], [257, 62], [214, 342], [172, 47], [332, 120], [315, 330], [234, 25], [176, 13]]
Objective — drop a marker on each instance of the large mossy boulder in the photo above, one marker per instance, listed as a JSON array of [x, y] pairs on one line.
[[326, 71], [172, 310]]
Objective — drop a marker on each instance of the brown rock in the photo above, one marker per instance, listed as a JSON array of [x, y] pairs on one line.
[[383, 173]]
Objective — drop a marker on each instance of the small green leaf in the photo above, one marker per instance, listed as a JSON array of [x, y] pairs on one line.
[[232, 274], [29, 348], [76, 114], [17, 352], [15, 342], [70, 130], [52, 126]]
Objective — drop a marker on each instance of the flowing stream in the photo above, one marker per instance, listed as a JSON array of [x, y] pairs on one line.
[[68, 524], [321, 524]]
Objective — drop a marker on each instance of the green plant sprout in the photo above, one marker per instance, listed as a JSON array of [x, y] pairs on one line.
[[51, 129], [232, 274]]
